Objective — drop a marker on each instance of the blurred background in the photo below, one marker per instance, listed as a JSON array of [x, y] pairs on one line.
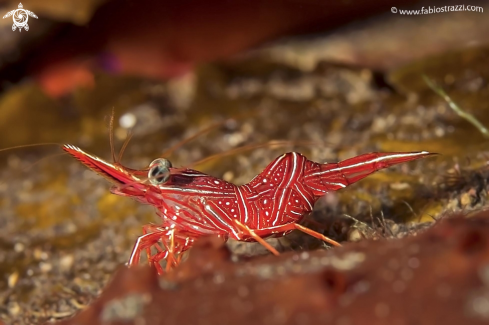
[[329, 79]]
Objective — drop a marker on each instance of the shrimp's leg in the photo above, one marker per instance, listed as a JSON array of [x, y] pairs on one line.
[[151, 229], [294, 226], [173, 246], [156, 261], [145, 242], [316, 234], [252, 234], [171, 251]]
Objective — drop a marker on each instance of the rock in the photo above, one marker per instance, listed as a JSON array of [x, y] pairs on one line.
[[368, 282]]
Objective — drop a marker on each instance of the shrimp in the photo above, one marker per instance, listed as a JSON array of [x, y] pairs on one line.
[[192, 204]]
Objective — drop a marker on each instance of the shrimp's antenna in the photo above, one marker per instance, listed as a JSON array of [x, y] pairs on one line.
[[32, 145], [124, 145], [111, 135], [273, 143], [170, 150]]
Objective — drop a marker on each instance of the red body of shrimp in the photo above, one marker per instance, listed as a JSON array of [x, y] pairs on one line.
[[192, 204]]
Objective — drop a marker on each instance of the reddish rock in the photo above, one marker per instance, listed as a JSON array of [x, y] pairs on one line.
[[163, 39], [440, 276]]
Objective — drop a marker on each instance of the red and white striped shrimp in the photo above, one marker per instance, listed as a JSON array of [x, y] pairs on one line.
[[192, 204]]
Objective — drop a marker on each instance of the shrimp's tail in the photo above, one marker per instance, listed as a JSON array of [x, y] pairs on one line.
[[327, 177]]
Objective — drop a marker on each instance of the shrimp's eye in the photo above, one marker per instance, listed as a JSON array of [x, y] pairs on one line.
[[159, 171]]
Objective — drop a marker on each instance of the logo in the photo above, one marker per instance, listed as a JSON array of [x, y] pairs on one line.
[[20, 16]]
